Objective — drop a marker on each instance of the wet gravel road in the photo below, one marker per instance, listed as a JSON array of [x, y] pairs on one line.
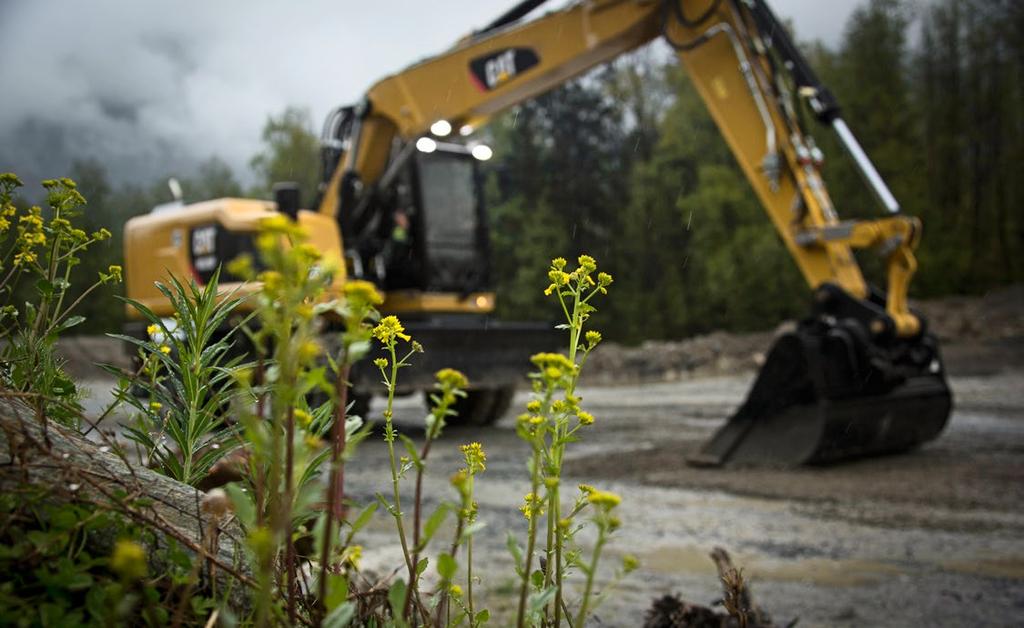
[[930, 538]]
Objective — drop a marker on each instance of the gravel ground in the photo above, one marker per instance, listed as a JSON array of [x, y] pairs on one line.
[[928, 538]]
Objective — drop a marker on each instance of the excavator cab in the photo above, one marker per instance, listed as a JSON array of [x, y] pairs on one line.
[[421, 235], [432, 234]]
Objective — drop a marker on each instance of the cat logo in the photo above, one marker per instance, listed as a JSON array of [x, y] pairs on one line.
[[493, 70]]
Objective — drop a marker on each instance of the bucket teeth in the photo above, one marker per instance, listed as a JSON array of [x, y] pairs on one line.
[[827, 392]]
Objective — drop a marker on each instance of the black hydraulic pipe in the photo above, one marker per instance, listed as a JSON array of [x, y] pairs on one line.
[[517, 12]]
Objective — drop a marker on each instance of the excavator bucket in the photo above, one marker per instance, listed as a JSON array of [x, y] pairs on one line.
[[829, 392]]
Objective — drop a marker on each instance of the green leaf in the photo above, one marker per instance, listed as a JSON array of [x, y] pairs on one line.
[[364, 517], [516, 551], [337, 591], [410, 447], [44, 288], [396, 597], [542, 599], [422, 566], [472, 529], [340, 617], [482, 617], [244, 508], [434, 522], [70, 322], [446, 566]]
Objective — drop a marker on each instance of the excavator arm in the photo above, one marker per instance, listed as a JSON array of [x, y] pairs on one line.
[[732, 51]]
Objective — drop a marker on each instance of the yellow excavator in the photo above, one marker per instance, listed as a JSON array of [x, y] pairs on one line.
[[401, 204]]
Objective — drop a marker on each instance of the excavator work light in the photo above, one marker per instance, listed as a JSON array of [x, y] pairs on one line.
[[482, 152], [426, 145], [441, 128]]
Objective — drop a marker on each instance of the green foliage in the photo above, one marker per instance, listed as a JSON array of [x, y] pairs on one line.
[[187, 380], [55, 573], [41, 253]]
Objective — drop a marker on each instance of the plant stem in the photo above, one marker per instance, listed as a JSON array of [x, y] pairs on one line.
[[417, 508], [531, 537], [336, 481], [575, 329], [289, 547], [390, 438], [590, 575]]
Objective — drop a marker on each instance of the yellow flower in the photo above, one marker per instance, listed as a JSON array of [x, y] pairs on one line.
[[115, 272], [352, 555], [456, 590], [475, 457], [543, 360], [101, 235], [271, 279], [278, 223], [152, 330], [164, 349], [585, 418], [388, 329], [362, 292], [533, 406], [313, 442], [302, 417], [587, 264], [604, 499], [630, 563], [24, 257], [308, 251], [532, 505], [586, 489], [380, 362], [450, 378], [128, 560], [308, 350], [155, 405], [241, 266], [593, 338], [558, 263]]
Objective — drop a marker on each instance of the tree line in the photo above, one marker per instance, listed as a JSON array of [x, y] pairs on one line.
[[626, 164]]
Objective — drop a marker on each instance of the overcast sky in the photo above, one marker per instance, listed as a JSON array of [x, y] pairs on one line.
[[150, 88]]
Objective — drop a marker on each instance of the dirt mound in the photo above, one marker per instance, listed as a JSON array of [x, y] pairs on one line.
[[996, 315], [979, 335]]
